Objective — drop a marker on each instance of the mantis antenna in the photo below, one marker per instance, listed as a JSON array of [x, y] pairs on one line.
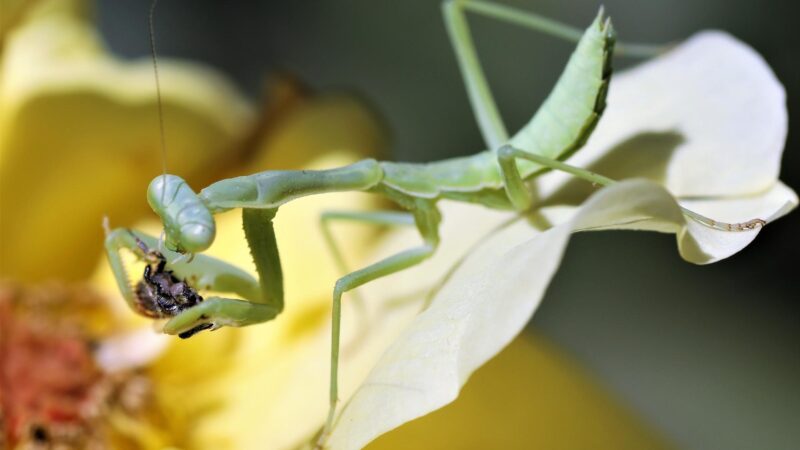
[[150, 21]]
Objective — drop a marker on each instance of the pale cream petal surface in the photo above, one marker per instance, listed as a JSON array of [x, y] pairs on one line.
[[493, 294]]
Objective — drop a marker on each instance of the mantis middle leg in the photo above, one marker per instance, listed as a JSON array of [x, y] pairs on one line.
[[371, 217], [427, 219], [392, 218]]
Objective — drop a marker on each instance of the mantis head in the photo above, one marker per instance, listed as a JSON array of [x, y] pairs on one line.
[[188, 224]]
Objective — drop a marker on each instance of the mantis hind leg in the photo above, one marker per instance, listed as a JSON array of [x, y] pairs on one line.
[[515, 187], [552, 27], [520, 197], [427, 218], [483, 104]]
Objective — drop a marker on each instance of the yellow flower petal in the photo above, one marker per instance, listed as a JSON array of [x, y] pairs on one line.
[[269, 386], [79, 139], [254, 387]]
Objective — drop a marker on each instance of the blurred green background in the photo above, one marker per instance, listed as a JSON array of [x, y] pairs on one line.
[[708, 355]]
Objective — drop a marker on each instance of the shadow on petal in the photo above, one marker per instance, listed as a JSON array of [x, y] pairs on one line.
[[644, 155]]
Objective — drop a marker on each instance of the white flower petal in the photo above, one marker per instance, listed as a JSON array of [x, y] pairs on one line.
[[706, 120], [418, 373], [769, 205], [710, 106], [493, 294]]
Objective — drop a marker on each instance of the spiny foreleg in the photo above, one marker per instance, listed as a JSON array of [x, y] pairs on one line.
[[259, 196], [204, 272]]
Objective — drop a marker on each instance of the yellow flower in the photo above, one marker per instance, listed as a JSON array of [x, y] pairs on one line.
[[79, 140], [78, 135]]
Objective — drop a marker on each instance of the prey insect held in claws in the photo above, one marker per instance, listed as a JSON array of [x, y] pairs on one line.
[[495, 178], [160, 293]]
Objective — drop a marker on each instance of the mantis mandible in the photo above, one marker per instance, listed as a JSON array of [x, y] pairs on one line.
[[495, 178]]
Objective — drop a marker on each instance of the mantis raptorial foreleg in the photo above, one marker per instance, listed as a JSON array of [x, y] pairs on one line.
[[259, 196], [205, 273], [218, 311]]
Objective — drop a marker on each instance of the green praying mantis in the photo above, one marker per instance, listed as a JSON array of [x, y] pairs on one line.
[[496, 178]]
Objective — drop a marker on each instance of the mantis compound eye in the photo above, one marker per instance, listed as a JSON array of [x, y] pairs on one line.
[[196, 237]]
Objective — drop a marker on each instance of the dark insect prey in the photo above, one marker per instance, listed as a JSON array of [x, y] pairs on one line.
[[160, 294]]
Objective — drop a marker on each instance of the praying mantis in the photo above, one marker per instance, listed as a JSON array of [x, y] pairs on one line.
[[496, 178]]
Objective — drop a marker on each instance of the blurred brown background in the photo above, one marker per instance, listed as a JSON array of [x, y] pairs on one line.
[[708, 355]]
